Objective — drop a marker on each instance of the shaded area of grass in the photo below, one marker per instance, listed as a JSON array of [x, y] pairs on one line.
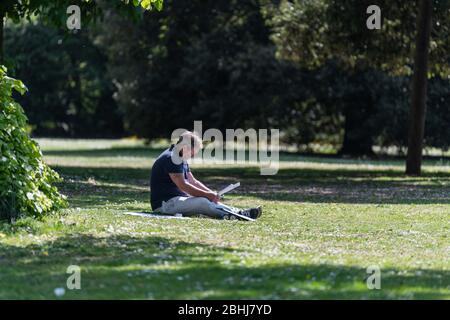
[[138, 151], [161, 268], [298, 185]]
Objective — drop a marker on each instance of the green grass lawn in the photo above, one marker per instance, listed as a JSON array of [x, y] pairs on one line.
[[325, 221]]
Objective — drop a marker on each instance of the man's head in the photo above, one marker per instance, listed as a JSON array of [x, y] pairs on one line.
[[189, 144]]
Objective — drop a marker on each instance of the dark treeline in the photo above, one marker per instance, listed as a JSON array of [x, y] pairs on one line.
[[213, 61]]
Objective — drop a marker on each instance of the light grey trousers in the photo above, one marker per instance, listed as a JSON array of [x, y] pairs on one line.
[[189, 206]]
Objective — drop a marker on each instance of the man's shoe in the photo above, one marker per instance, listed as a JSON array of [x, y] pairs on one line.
[[258, 211], [253, 213]]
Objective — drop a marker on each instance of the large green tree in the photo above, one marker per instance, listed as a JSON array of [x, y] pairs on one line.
[[414, 40], [70, 92], [210, 60], [55, 11], [25, 181]]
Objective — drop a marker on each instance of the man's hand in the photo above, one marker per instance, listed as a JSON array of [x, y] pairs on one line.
[[185, 186], [213, 197]]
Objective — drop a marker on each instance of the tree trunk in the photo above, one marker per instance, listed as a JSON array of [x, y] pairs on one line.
[[419, 89]]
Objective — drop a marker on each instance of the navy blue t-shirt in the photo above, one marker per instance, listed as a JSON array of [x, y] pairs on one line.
[[161, 185]]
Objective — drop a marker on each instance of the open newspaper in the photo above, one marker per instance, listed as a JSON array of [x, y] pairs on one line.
[[229, 188]]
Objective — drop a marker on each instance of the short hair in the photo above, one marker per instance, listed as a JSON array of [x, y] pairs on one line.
[[191, 138]]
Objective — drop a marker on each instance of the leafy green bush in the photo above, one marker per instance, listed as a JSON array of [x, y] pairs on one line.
[[25, 180]]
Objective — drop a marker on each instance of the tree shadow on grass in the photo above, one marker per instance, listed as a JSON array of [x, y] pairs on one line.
[[83, 194], [125, 267], [138, 151], [290, 185]]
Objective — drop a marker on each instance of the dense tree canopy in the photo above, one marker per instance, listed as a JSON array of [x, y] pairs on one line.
[[217, 65], [55, 11], [69, 91], [314, 32], [148, 77]]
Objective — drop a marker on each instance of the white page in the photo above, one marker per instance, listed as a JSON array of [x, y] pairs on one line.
[[229, 188]]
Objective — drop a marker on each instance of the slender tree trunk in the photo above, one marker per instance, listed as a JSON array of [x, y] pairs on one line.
[[419, 89]]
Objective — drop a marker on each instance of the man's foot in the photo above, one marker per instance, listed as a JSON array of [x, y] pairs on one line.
[[253, 213], [259, 211]]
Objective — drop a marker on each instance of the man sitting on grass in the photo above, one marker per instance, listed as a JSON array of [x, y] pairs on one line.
[[175, 190]]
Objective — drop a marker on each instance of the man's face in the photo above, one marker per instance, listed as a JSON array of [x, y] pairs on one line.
[[189, 152]]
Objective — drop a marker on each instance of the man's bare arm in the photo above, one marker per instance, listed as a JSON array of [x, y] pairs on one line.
[[198, 184], [191, 189]]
